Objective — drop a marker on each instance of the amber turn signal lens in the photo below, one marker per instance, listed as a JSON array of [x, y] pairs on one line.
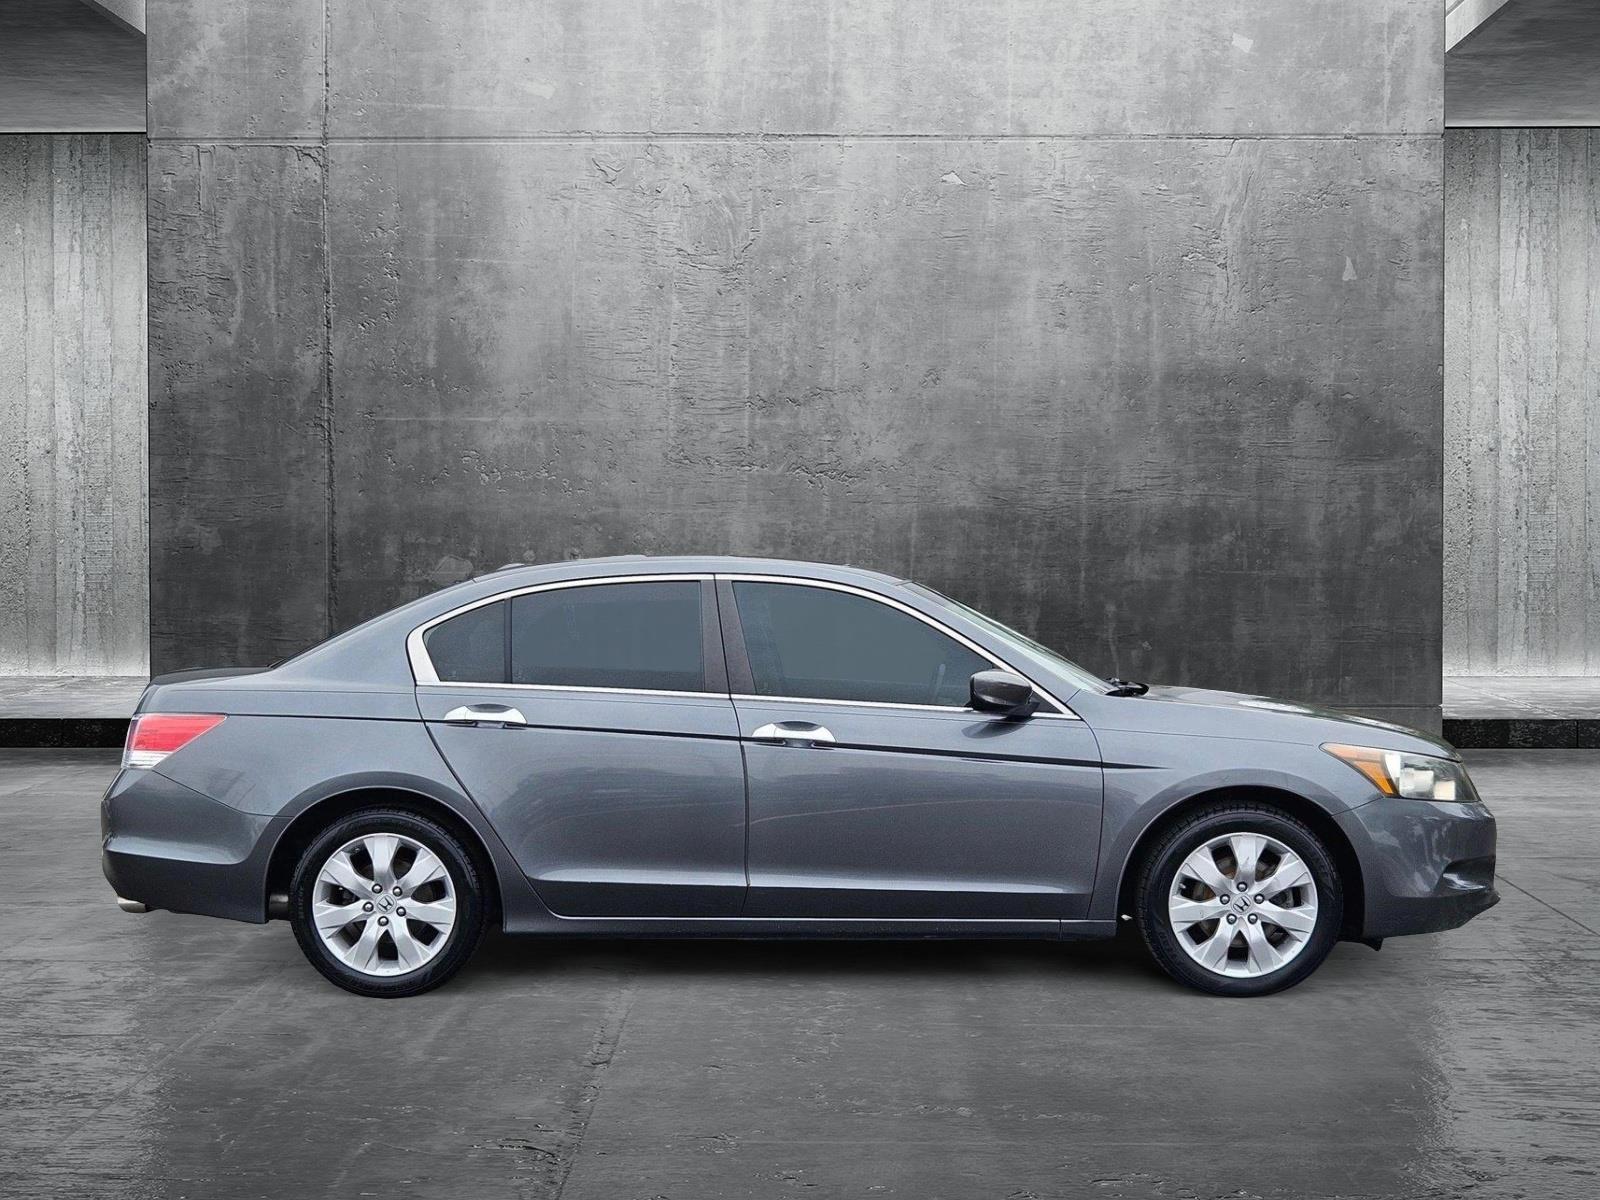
[[1370, 762]]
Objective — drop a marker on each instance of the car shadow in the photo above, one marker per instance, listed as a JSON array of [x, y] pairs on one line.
[[503, 957]]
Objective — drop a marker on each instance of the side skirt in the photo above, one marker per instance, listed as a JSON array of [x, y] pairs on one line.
[[814, 928]]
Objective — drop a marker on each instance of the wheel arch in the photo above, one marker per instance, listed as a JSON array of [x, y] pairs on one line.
[[307, 824], [1309, 812]]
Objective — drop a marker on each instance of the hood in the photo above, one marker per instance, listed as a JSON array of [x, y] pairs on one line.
[[1239, 714]]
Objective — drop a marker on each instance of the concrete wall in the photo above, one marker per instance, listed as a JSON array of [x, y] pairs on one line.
[[73, 552], [1121, 320], [1522, 394]]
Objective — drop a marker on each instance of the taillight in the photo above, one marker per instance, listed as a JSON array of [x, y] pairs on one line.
[[153, 736]]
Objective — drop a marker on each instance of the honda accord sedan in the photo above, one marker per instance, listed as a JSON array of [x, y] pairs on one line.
[[718, 747]]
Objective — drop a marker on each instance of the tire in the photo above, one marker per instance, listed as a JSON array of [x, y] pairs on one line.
[[384, 949], [1255, 955]]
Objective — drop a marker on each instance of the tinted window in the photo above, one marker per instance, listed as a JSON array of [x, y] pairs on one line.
[[621, 635], [470, 648], [821, 644]]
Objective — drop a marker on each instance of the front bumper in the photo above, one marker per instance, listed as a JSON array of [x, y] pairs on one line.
[[1425, 866], [166, 846]]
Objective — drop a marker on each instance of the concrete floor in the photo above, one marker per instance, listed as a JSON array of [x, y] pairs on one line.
[[176, 1056], [1522, 698], [66, 696]]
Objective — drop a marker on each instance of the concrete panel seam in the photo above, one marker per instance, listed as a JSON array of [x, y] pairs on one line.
[[327, 330]]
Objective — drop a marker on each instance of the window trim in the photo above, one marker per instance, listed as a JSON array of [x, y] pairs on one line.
[[1061, 710], [424, 674]]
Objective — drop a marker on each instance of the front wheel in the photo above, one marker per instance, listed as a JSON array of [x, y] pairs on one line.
[[1239, 900], [386, 903]]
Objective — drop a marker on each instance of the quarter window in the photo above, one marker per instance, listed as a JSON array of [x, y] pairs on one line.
[[820, 644], [620, 635], [470, 648]]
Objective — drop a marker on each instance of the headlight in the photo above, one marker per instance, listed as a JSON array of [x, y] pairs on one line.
[[1408, 776]]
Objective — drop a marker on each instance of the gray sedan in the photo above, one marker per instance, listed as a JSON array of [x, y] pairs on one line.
[[715, 747]]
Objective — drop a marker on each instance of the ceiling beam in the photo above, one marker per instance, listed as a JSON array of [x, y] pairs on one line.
[[1465, 17]]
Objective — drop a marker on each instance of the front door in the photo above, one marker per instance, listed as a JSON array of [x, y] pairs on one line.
[[875, 792], [592, 725]]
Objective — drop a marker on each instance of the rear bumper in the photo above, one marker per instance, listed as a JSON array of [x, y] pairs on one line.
[[1425, 867], [166, 846]]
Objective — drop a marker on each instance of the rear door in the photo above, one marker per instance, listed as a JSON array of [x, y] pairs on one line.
[[591, 722], [874, 791]]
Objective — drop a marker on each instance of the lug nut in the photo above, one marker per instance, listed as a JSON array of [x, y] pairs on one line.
[[377, 887], [399, 912], [1258, 899], [383, 920], [1242, 886], [1252, 918], [367, 907], [1232, 920], [397, 889]]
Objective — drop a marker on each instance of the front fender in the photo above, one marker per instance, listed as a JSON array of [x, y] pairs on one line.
[[1148, 775]]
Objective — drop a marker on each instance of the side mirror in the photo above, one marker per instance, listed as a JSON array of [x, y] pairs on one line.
[[1004, 693]]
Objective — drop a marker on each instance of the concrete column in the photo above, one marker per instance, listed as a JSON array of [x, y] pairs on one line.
[[73, 554], [1522, 378]]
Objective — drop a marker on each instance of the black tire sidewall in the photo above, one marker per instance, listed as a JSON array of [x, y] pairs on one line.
[[1156, 881], [465, 877]]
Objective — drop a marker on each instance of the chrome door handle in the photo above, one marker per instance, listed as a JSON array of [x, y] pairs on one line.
[[485, 714], [793, 733]]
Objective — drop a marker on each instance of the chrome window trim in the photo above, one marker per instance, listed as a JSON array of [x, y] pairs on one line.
[[560, 687], [422, 666], [423, 672], [1061, 709]]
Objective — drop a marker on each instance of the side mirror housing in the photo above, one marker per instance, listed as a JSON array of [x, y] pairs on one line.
[[1004, 693]]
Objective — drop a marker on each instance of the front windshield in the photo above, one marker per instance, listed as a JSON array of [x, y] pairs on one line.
[[1082, 678]]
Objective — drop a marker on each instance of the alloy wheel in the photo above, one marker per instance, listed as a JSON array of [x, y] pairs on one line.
[[384, 904], [1243, 904]]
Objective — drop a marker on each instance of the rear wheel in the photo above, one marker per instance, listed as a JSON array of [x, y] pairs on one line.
[[387, 903], [1239, 900]]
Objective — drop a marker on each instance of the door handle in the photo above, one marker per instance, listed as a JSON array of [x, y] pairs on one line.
[[485, 714], [793, 733]]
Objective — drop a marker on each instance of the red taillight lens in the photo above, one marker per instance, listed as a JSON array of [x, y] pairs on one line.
[[153, 736]]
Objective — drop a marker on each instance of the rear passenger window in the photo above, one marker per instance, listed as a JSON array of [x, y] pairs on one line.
[[620, 635], [470, 648]]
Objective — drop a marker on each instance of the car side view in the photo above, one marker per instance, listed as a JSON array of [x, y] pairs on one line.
[[687, 747]]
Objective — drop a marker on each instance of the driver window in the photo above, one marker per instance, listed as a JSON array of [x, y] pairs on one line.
[[818, 644]]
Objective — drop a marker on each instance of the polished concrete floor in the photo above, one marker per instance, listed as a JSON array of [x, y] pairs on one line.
[[57, 696], [1522, 698], [176, 1056]]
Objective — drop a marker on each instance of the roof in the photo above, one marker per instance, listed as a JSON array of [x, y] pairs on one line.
[[691, 564]]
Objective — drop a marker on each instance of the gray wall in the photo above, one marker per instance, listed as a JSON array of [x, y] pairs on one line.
[[1522, 394], [73, 554], [1121, 320]]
